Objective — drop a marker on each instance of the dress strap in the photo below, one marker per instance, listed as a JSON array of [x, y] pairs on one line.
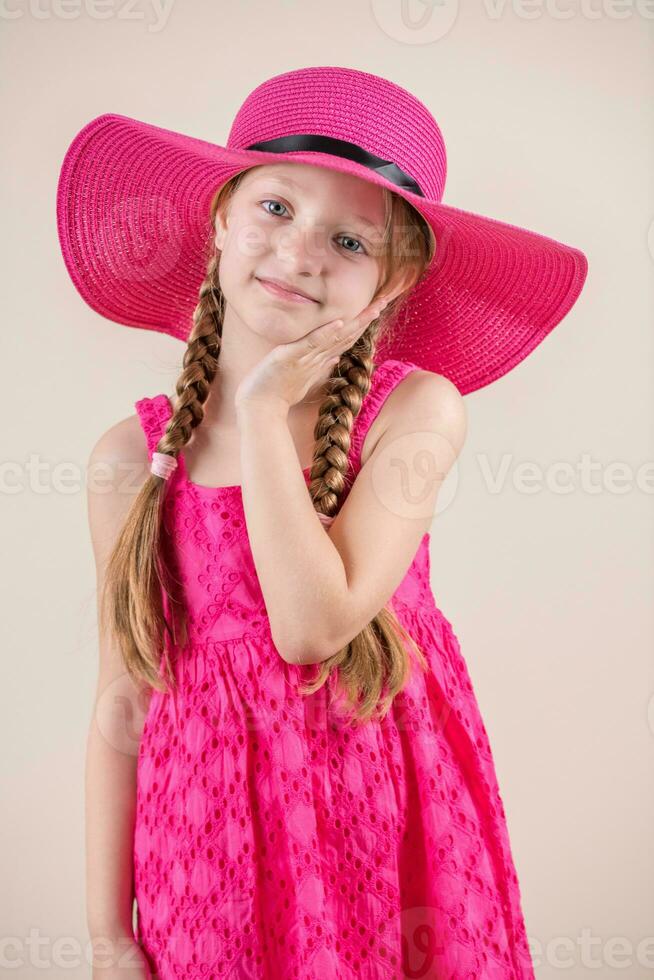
[[153, 413], [385, 379]]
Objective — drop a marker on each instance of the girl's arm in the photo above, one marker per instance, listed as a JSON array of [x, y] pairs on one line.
[[118, 711], [321, 589]]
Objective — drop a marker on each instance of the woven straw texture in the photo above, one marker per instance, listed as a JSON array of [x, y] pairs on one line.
[[133, 219]]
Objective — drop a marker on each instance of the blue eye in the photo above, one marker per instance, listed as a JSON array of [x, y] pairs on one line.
[[356, 240], [347, 237], [273, 202]]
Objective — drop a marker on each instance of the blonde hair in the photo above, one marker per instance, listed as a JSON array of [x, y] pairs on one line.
[[374, 666]]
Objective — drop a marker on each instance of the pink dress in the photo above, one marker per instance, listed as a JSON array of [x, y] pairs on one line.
[[272, 840]]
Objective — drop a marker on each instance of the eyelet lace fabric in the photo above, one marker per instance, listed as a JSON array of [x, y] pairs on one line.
[[272, 840]]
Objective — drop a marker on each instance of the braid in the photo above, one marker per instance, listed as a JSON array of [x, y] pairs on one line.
[[200, 363], [347, 388], [373, 667]]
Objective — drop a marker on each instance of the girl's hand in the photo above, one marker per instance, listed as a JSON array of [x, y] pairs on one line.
[[284, 376]]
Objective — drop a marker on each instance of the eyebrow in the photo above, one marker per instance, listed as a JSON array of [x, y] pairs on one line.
[[291, 183]]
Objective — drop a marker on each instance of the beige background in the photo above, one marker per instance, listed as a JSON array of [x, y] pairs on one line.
[[544, 113]]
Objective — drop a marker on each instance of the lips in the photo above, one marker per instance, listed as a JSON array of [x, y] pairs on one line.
[[286, 289]]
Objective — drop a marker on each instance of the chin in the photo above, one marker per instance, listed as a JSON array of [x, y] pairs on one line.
[[275, 326]]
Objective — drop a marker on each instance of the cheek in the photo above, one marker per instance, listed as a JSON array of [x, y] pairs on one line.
[[237, 254], [238, 263], [354, 287]]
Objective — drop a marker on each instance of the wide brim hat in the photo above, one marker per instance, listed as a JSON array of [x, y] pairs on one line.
[[134, 226]]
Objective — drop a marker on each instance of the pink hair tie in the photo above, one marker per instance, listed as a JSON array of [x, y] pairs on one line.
[[163, 465]]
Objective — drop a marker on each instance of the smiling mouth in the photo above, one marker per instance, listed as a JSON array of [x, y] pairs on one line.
[[284, 294]]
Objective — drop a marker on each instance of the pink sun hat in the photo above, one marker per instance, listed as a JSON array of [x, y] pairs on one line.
[[135, 232]]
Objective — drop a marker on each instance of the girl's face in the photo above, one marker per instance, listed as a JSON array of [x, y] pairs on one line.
[[316, 230]]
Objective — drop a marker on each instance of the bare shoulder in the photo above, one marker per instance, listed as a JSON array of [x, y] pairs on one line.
[[422, 398], [120, 447], [117, 469]]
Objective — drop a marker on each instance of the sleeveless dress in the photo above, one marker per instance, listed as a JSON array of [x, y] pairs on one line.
[[272, 840]]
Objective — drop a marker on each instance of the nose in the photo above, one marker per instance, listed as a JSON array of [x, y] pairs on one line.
[[301, 248]]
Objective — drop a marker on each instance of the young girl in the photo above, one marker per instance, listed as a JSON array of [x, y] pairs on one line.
[[312, 793]]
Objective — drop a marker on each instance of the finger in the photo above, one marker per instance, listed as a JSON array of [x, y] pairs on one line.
[[319, 338], [340, 336], [332, 334], [358, 324], [329, 336], [364, 319], [374, 309]]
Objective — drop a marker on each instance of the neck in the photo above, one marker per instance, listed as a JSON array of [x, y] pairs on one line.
[[235, 361]]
